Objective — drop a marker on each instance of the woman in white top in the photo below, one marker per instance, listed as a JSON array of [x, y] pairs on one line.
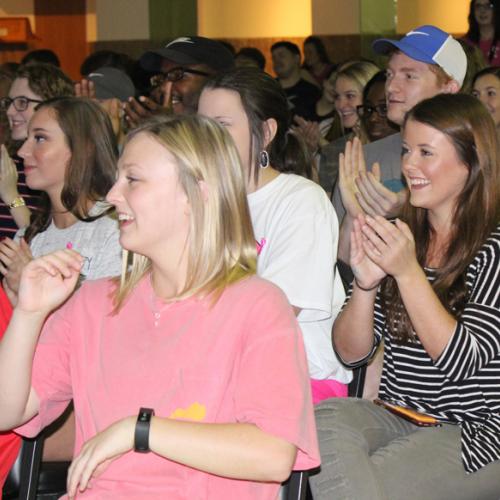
[[295, 226]]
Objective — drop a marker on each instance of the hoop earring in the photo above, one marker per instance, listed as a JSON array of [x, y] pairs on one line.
[[264, 159]]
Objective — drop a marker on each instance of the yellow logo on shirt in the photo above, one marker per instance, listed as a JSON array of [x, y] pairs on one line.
[[196, 412]]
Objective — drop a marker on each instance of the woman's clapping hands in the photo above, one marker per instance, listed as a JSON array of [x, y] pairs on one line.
[[48, 281]]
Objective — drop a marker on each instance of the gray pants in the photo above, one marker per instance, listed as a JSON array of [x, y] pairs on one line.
[[367, 453]]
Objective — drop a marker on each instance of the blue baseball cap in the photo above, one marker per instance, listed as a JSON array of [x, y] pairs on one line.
[[431, 45]]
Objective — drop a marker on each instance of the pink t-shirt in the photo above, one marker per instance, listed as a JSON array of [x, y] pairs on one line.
[[240, 361]]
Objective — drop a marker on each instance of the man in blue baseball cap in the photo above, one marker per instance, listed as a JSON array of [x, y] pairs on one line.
[[427, 61]]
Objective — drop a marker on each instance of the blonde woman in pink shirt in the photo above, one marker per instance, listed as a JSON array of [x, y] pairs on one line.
[[188, 375]]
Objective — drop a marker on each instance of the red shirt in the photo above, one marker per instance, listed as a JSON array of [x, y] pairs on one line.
[[9, 441]]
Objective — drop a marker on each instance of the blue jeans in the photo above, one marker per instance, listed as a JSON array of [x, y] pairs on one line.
[[367, 453]]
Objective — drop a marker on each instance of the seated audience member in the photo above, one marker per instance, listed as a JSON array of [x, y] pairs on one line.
[[301, 94], [373, 111], [111, 87], [45, 56], [484, 29], [69, 156], [207, 354], [425, 62], [33, 84], [181, 68], [250, 56], [316, 60], [294, 223], [429, 286], [111, 83], [10, 442], [325, 126], [348, 85], [486, 87]]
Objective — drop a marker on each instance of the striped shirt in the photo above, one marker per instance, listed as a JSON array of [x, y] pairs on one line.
[[463, 385], [8, 226]]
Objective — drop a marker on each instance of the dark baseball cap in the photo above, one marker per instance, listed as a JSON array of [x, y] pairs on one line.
[[111, 83], [190, 50]]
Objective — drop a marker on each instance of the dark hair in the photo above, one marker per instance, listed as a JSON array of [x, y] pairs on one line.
[[320, 48], [108, 58], [263, 98], [46, 80], [10, 67], [379, 77], [254, 54], [41, 56], [291, 47], [473, 32], [490, 70], [229, 46], [92, 168], [470, 128]]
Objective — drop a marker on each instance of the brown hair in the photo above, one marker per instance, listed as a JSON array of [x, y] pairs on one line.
[[46, 80], [92, 168], [262, 98], [470, 129]]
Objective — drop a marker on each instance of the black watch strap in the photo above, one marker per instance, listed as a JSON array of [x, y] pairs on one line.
[[141, 435]]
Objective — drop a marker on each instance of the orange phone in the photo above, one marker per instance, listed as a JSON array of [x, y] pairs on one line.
[[420, 419]]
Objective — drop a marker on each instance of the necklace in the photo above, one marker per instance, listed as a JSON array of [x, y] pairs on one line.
[[157, 312]]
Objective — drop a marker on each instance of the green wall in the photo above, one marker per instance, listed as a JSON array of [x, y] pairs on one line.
[[377, 17], [172, 18]]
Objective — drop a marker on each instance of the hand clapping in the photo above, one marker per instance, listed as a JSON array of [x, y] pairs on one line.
[[379, 247], [48, 281]]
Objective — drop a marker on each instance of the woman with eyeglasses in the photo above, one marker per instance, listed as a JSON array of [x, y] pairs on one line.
[[373, 111], [484, 29], [33, 84]]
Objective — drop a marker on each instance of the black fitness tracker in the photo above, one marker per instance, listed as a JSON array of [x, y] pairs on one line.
[[141, 435]]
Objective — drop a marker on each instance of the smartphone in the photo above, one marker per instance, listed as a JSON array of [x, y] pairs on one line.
[[420, 419]]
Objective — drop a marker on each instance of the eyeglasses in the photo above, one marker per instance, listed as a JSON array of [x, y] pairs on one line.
[[174, 75], [20, 102], [484, 6], [367, 111]]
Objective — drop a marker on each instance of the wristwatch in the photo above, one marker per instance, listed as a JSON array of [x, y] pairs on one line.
[[18, 201], [141, 435]]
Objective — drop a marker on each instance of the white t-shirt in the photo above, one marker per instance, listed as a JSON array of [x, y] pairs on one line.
[[297, 238], [97, 241]]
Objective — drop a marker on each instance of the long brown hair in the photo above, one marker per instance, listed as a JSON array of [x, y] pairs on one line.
[[262, 98], [92, 168], [470, 128]]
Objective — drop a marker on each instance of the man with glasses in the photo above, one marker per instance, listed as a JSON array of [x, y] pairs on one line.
[[181, 69]]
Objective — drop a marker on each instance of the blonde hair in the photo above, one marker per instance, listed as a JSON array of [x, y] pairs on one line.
[[360, 73], [221, 246]]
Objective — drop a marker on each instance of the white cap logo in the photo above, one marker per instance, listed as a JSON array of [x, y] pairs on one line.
[[416, 33], [181, 39]]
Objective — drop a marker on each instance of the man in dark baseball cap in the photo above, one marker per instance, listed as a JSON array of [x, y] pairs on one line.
[[181, 68]]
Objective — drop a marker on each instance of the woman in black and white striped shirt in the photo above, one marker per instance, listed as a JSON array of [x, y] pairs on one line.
[[430, 288]]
